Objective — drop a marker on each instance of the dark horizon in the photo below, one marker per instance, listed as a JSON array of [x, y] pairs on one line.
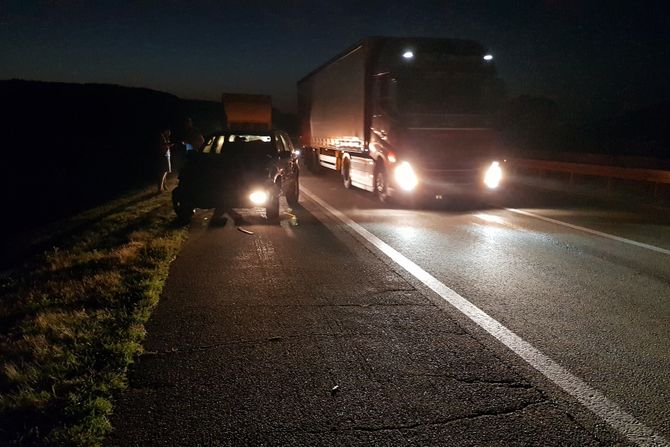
[[594, 60]]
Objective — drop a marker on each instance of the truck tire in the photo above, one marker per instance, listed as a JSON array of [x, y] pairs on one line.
[[293, 192], [182, 205], [380, 183], [346, 173]]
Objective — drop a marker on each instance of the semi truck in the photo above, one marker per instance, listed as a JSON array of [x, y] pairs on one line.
[[405, 117]]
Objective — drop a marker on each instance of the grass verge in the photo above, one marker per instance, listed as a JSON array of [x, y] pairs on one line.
[[72, 319]]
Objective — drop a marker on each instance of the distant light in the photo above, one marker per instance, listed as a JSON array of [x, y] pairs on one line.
[[488, 57], [408, 54]]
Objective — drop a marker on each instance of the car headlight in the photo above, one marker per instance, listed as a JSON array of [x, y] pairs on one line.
[[405, 176], [493, 175], [258, 197]]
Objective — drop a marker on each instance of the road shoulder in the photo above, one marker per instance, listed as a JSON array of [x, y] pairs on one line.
[[298, 335]]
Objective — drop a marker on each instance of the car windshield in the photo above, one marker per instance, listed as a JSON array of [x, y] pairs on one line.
[[239, 143]]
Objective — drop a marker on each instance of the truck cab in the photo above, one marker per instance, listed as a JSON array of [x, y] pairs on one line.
[[406, 116]]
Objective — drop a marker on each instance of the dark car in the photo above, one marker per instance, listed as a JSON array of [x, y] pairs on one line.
[[239, 169]]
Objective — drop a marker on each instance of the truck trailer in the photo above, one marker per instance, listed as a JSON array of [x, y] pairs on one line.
[[408, 117], [249, 112]]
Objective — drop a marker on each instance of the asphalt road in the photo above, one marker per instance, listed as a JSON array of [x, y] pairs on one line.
[[600, 307], [303, 334]]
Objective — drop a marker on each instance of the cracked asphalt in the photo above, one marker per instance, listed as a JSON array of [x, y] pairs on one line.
[[298, 334]]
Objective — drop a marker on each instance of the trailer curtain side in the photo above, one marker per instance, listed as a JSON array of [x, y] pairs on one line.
[[333, 102]]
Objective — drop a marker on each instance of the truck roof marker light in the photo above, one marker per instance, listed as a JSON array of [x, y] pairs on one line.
[[408, 54], [488, 57]]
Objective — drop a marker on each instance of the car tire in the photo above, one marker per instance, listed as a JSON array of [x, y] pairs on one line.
[[346, 173], [183, 207], [380, 183], [272, 209], [293, 193]]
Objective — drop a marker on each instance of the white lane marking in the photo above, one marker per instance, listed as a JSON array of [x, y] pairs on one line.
[[591, 231], [591, 398]]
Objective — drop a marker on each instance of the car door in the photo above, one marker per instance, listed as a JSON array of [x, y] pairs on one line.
[[283, 160], [291, 165]]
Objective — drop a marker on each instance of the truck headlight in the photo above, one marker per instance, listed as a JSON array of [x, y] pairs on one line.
[[493, 175], [258, 197], [405, 176]]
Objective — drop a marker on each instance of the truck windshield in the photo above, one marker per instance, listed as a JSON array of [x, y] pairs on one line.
[[444, 83]]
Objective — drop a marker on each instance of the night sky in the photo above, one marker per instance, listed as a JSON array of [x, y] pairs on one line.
[[593, 58]]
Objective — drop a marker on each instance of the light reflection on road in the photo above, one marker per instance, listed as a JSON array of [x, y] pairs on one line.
[[491, 218]]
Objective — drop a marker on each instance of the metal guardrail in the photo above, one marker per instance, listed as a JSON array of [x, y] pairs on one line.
[[611, 172]]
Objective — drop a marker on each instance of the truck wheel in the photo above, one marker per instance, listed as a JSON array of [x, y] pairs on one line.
[[272, 209], [293, 193], [346, 173], [182, 206], [380, 183]]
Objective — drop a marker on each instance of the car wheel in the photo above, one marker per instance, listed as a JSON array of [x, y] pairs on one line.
[[293, 194], [346, 173], [182, 206], [272, 209], [380, 183]]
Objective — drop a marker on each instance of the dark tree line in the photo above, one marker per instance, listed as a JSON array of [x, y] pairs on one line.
[[537, 124], [72, 146]]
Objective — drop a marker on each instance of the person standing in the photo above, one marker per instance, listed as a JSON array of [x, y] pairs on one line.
[[193, 138], [165, 162]]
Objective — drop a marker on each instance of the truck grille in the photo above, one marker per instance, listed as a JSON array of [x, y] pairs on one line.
[[451, 176]]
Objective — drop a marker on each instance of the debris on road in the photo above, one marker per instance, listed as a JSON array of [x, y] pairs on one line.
[[244, 230], [334, 390]]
